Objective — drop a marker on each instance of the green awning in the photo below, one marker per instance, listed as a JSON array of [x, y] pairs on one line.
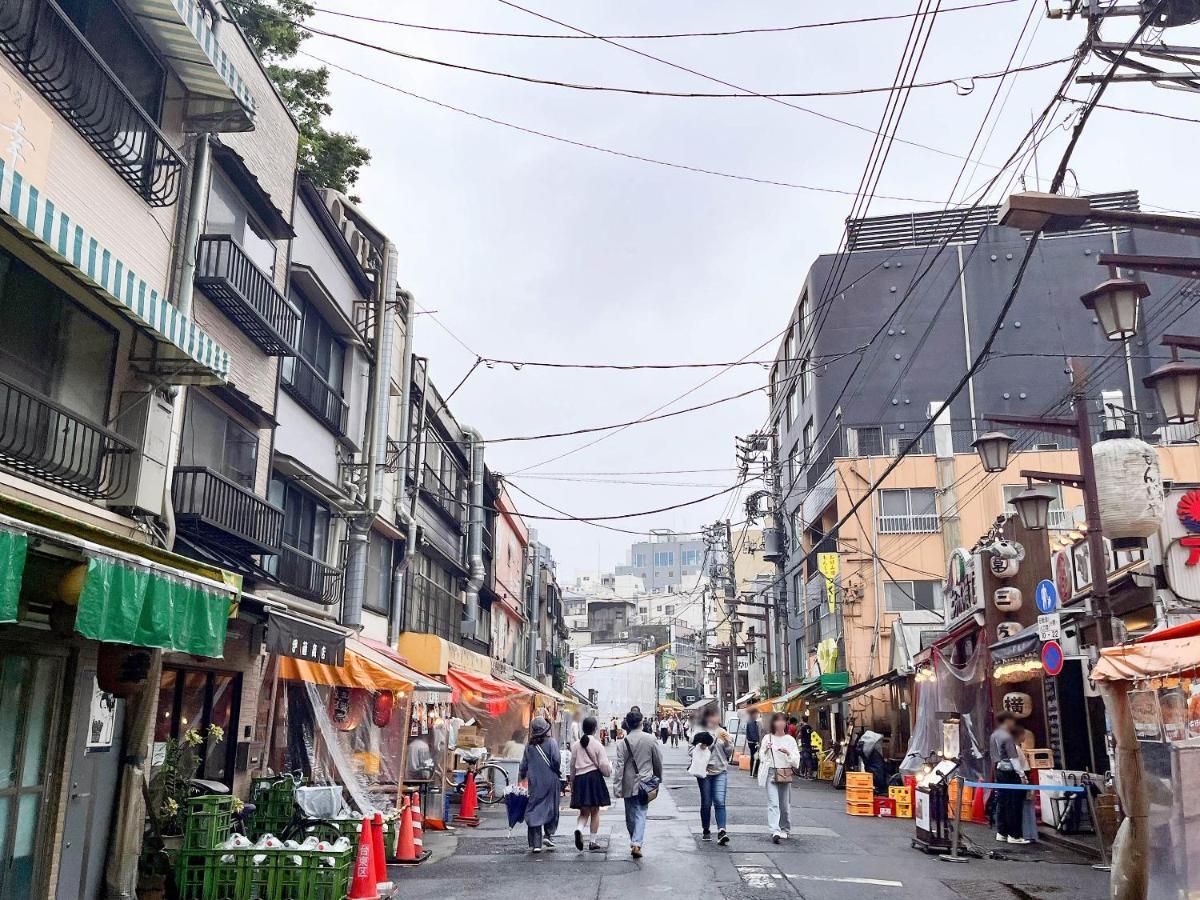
[[13, 546], [129, 604]]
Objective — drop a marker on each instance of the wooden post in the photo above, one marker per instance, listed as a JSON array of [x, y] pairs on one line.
[[1130, 853]]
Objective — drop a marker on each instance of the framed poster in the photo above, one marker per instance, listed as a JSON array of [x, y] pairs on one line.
[[1147, 722], [1174, 710], [102, 720]]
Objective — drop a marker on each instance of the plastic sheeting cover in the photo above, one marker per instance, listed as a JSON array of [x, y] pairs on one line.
[[957, 689]]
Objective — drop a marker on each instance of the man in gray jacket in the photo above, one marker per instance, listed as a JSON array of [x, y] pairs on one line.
[[638, 758]]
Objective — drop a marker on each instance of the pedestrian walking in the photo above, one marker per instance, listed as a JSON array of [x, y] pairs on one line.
[[638, 759], [780, 755], [753, 739], [673, 728], [711, 749], [808, 761], [1007, 763], [589, 790], [540, 767]]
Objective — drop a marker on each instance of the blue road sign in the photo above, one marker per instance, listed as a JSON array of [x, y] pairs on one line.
[[1046, 597]]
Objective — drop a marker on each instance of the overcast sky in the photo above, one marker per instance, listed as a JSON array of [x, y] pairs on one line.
[[532, 249]]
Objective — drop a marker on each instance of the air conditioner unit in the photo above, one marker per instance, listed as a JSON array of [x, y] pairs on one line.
[[144, 419]]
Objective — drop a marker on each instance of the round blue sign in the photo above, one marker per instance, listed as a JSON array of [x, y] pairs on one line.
[[1052, 657], [1046, 597]]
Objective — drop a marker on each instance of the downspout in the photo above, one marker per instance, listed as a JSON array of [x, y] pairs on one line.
[[415, 442], [474, 532], [534, 601], [396, 619]]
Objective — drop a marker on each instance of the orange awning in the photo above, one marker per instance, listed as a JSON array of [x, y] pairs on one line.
[[1154, 659], [464, 682], [357, 671]]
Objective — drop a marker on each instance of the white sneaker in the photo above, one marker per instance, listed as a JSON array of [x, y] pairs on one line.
[[1001, 838], [1013, 840], [784, 835]]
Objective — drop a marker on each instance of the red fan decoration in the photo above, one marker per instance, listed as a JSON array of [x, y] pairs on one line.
[[1189, 510]]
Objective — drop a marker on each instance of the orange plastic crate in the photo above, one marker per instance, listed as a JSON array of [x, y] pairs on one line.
[[860, 780], [860, 809], [860, 795]]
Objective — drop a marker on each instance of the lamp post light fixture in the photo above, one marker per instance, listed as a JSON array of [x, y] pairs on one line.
[[1115, 303], [993, 449], [1177, 383], [1033, 506]]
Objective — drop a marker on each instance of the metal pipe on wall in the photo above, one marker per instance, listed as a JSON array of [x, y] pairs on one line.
[[474, 532]]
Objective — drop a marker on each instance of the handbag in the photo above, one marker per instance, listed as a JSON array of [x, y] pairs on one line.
[[647, 788], [700, 758], [778, 775]]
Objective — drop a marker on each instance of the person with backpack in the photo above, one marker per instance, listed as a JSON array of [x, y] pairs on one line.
[[540, 771], [589, 790], [779, 756], [637, 773]]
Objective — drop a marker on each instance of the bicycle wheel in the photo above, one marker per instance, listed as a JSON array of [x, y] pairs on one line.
[[491, 782]]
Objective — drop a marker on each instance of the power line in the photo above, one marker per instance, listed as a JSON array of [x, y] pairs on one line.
[[598, 520], [630, 37]]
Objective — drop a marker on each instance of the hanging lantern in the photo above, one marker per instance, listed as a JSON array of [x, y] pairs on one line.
[[1177, 385], [345, 708], [1007, 629], [1008, 599], [1115, 303], [993, 449], [1033, 506], [1019, 704], [381, 708], [1129, 489]]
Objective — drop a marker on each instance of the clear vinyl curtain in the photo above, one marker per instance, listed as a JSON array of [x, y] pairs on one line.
[[958, 689]]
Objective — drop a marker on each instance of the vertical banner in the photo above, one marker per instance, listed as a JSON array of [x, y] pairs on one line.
[[828, 565]]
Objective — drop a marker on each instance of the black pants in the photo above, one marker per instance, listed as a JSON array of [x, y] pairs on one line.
[[1009, 805], [752, 749]]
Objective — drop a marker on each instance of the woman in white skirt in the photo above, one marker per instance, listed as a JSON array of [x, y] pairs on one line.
[[778, 756]]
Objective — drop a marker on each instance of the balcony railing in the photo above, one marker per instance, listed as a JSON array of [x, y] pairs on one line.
[[920, 523], [318, 396], [219, 510], [246, 294], [47, 442], [308, 576], [46, 47]]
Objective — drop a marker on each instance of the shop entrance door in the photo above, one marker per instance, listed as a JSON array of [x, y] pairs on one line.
[[91, 792], [30, 735]]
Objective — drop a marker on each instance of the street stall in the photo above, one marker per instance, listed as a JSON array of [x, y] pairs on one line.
[[1154, 685]]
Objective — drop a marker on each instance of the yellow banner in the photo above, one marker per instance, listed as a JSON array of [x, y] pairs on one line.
[[828, 564]]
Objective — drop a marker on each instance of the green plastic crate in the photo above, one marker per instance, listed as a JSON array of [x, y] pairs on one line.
[[231, 874], [207, 822]]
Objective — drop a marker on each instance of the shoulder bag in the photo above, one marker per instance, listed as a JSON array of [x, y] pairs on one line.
[[647, 788], [781, 775]]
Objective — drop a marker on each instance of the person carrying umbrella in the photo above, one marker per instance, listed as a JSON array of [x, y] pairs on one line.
[[540, 768]]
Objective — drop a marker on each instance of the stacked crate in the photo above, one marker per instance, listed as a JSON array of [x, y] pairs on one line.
[[207, 822], [234, 874], [903, 798], [274, 802], [860, 794]]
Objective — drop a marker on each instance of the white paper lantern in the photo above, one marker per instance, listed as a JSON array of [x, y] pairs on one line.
[[1007, 629], [1130, 489], [1019, 704], [1007, 599]]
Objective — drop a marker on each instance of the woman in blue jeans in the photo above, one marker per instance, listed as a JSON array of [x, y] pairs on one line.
[[713, 783]]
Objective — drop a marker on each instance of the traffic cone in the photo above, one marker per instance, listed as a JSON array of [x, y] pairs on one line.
[[364, 885], [418, 823], [407, 852], [979, 807], [470, 803], [380, 859]]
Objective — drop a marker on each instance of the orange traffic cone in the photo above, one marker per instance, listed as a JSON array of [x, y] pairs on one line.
[[407, 852], [418, 822], [364, 885], [979, 807], [380, 859], [470, 803]]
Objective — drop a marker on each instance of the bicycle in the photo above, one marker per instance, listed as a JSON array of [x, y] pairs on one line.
[[491, 780]]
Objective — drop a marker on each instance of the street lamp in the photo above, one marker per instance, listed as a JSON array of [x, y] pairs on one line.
[[1178, 387], [1115, 303], [993, 449], [1033, 506]]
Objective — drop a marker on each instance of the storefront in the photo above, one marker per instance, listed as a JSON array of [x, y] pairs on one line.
[[84, 614]]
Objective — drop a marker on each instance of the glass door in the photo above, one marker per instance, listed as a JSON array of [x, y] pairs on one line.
[[29, 688]]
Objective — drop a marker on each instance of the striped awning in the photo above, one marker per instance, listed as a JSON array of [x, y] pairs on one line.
[[219, 99], [187, 355]]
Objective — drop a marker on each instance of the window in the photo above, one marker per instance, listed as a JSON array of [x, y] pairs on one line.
[[212, 440], [1059, 517], [794, 463], [907, 509], [907, 596], [118, 44], [639, 561], [802, 319], [864, 440], [53, 346], [434, 605], [316, 374], [664, 558], [806, 378], [789, 347], [693, 557], [810, 439], [669, 610], [793, 407], [305, 518], [229, 214], [194, 698], [377, 596], [797, 593], [774, 378]]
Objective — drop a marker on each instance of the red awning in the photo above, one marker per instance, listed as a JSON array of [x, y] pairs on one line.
[[464, 682], [1187, 629]]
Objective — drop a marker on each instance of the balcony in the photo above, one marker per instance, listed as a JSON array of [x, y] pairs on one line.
[[222, 512], [308, 576], [246, 295], [48, 443], [306, 386], [46, 47]]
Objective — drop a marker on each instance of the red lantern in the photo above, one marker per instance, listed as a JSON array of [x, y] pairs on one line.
[[345, 708], [497, 708], [381, 709]]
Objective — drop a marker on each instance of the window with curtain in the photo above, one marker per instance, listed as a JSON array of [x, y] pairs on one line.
[[228, 213], [212, 439]]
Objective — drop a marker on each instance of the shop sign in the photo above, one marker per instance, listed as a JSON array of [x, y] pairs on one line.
[[1049, 627], [25, 129], [1064, 584], [963, 588], [468, 660], [305, 640], [827, 563], [1181, 540]]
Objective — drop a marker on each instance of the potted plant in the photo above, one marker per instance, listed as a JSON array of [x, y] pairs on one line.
[[171, 784]]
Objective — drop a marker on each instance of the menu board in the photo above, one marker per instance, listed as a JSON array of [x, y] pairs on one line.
[[1174, 709], [1054, 736], [1143, 706]]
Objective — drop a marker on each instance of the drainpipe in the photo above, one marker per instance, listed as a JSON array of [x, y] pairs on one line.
[[406, 393], [474, 531], [535, 601], [416, 441]]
